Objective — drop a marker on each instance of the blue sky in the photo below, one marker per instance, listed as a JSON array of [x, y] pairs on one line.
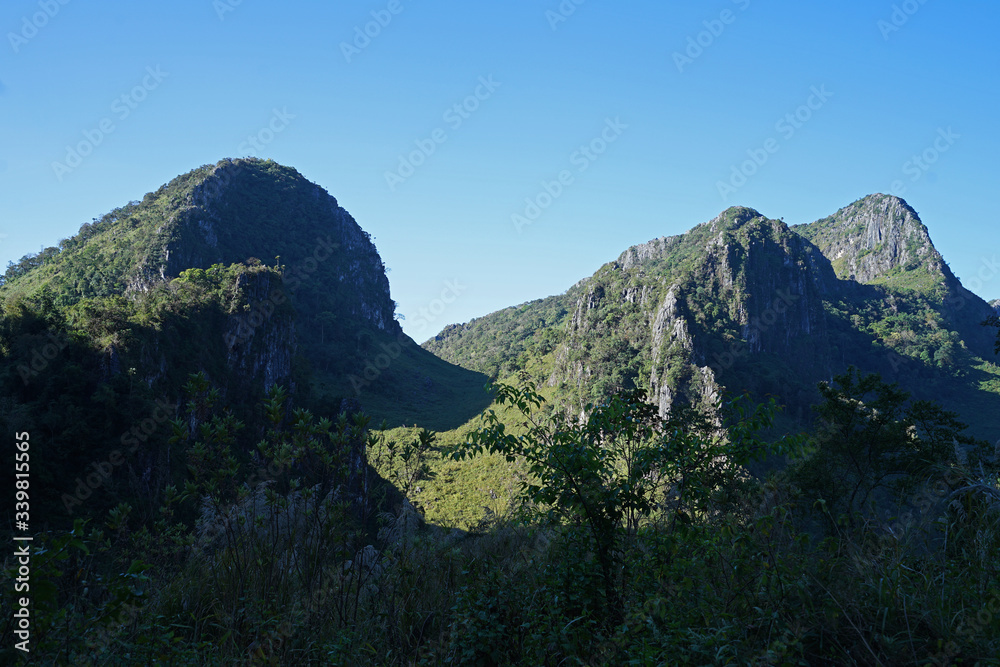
[[581, 129]]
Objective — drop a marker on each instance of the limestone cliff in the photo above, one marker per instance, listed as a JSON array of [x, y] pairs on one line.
[[252, 208], [876, 238], [260, 335], [744, 303]]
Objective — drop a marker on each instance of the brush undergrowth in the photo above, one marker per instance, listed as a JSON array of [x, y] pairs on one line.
[[634, 540]]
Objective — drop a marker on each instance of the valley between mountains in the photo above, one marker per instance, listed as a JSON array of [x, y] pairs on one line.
[[215, 381]]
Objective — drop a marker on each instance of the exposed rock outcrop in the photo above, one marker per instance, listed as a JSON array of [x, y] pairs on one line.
[[260, 337], [873, 236], [747, 303], [325, 240]]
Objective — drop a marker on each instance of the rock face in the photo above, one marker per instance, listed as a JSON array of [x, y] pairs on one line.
[[880, 240], [874, 236], [746, 303], [245, 211], [258, 213], [647, 252], [244, 342], [260, 338], [769, 276], [253, 208], [675, 371], [689, 307]]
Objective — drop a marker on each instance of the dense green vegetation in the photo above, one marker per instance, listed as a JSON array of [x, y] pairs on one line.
[[81, 379], [261, 212], [209, 485], [100, 258], [760, 305], [635, 540]]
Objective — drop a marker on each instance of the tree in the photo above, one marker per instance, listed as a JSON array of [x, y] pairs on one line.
[[994, 321], [873, 439], [613, 471]]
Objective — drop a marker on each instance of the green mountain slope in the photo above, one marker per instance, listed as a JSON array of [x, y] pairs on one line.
[[250, 210], [746, 303]]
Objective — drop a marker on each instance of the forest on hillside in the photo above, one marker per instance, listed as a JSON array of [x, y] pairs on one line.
[[219, 466], [629, 539]]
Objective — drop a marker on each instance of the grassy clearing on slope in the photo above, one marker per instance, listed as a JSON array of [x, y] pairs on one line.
[[412, 387], [462, 494]]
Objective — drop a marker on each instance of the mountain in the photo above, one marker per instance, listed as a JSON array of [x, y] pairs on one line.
[[101, 336], [190, 438], [258, 212], [747, 303], [224, 213], [880, 240]]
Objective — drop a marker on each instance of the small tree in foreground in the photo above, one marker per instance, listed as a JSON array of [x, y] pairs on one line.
[[623, 464], [873, 441]]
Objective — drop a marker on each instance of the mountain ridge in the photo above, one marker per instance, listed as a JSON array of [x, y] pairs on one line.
[[743, 302], [243, 211], [194, 221]]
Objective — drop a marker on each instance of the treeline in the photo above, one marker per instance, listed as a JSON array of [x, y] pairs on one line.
[[81, 377], [86, 232], [635, 539]]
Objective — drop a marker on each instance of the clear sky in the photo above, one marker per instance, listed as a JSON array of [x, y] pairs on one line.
[[620, 121]]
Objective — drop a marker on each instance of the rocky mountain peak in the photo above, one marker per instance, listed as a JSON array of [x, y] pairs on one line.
[[248, 207], [645, 252], [875, 238], [734, 217], [731, 219], [744, 302]]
